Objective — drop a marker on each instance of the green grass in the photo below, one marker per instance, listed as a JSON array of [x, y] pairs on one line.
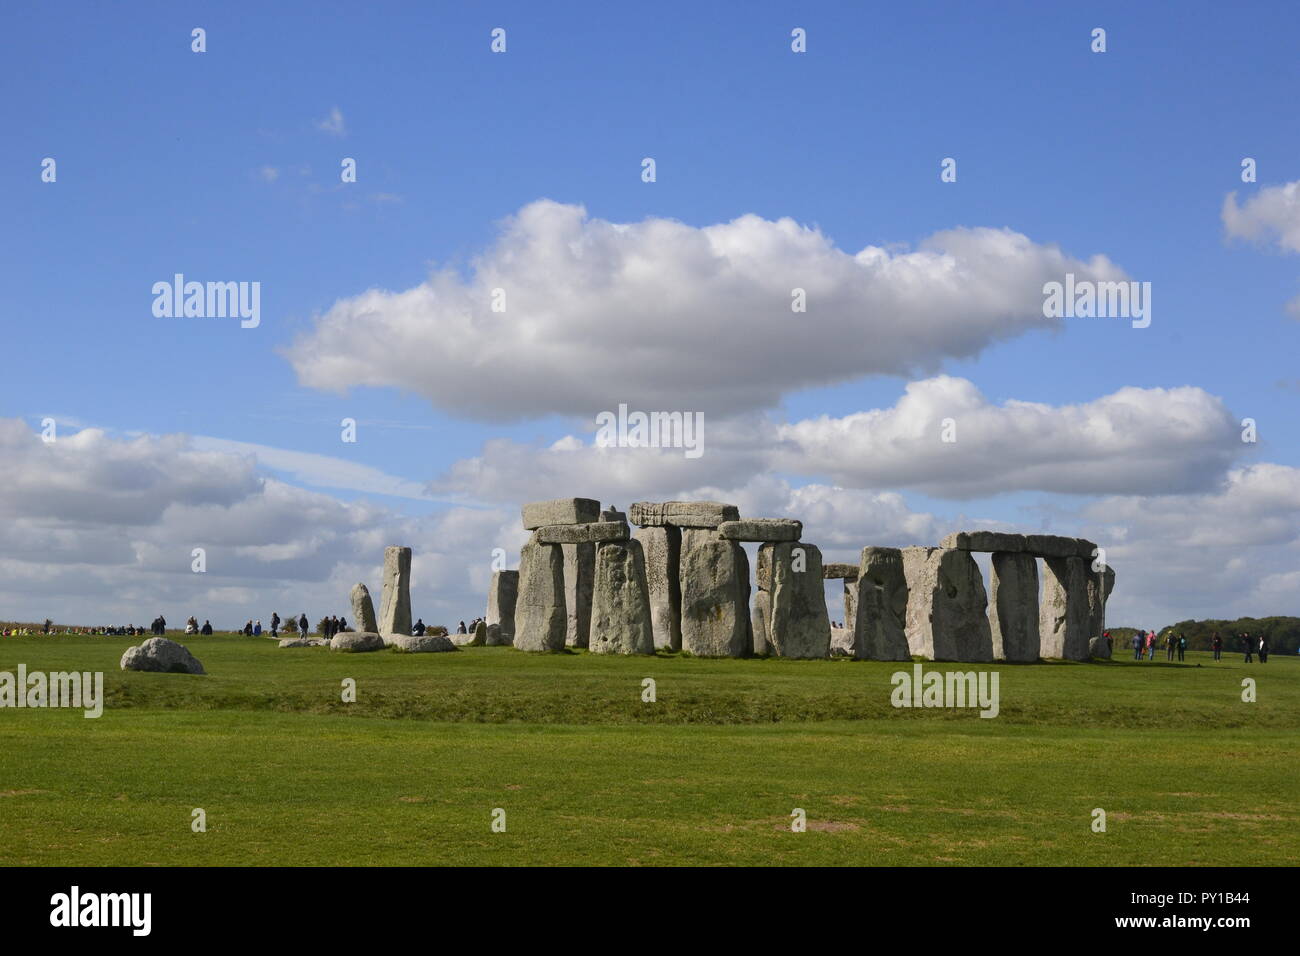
[[587, 773]]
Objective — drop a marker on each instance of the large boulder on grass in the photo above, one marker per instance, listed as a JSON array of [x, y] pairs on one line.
[[355, 642], [302, 642], [163, 656], [425, 644]]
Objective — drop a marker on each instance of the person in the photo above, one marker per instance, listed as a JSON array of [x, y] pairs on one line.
[[257, 629], [207, 627], [1151, 645], [1216, 644], [329, 628], [343, 625], [418, 629], [275, 623], [1182, 645], [303, 625], [1110, 644], [1137, 645], [1247, 649], [334, 625], [461, 628], [1263, 649], [162, 625], [248, 629], [1169, 646]]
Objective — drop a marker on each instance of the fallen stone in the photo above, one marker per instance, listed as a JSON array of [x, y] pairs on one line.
[[947, 616], [682, 514], [1063, 614], [715, 596], [1013, 606], [363, 609], [474, 638], [161, 655], [620, 608], [761, 529], [356, 642], [662, 548], [421, 644], [848, 572], [591, 533], [879, 602], [842, 642], [302, 642], [539, 514], [503, 593], [395, 602], [800, 626], [541, 619]]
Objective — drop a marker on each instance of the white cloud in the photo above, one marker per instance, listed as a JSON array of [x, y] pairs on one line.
[[269, 174], [666, 316], [1143, 440], [333, 123], [1271, 213]]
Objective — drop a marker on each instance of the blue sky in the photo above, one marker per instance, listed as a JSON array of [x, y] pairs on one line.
[[222, 165]]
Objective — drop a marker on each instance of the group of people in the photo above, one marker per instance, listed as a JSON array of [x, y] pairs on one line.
[[1146, 642], [461, 629]]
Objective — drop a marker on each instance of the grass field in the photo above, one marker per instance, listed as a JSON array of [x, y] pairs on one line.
[[587, 773]]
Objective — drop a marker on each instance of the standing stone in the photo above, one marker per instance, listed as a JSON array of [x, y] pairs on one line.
[[503, 593], [579, 575], [363, 610], [540, 617], [395, 609], [879, 617], [1099, 588], [947, 617], [620, 607], [1063, 616], [1013, 606], [662, 547], [800, 626], [759, 618], [715, 619], [850, 604]]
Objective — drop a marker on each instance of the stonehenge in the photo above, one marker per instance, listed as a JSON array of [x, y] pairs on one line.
[[681, 582]]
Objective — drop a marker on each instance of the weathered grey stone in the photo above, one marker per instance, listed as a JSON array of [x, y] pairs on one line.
[[850, 604], [842, 642], [1063, 615], [579, 577], [879, 601], [303, 642], [1055, 546], [620, 607], [1013, 606], [363, 609], [760, 615], [503, 593], [761, 529], [947, 616], [422, 644], [715, 602], [834, 571], [985, 541], [591, 533], [540, 616], [395, 609], [474, 638], [682, 514], [662, 548], [613, 514], [539, 514], [800, 626], [1099, 587], [763, 570], [161, 655], [355, 642]]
